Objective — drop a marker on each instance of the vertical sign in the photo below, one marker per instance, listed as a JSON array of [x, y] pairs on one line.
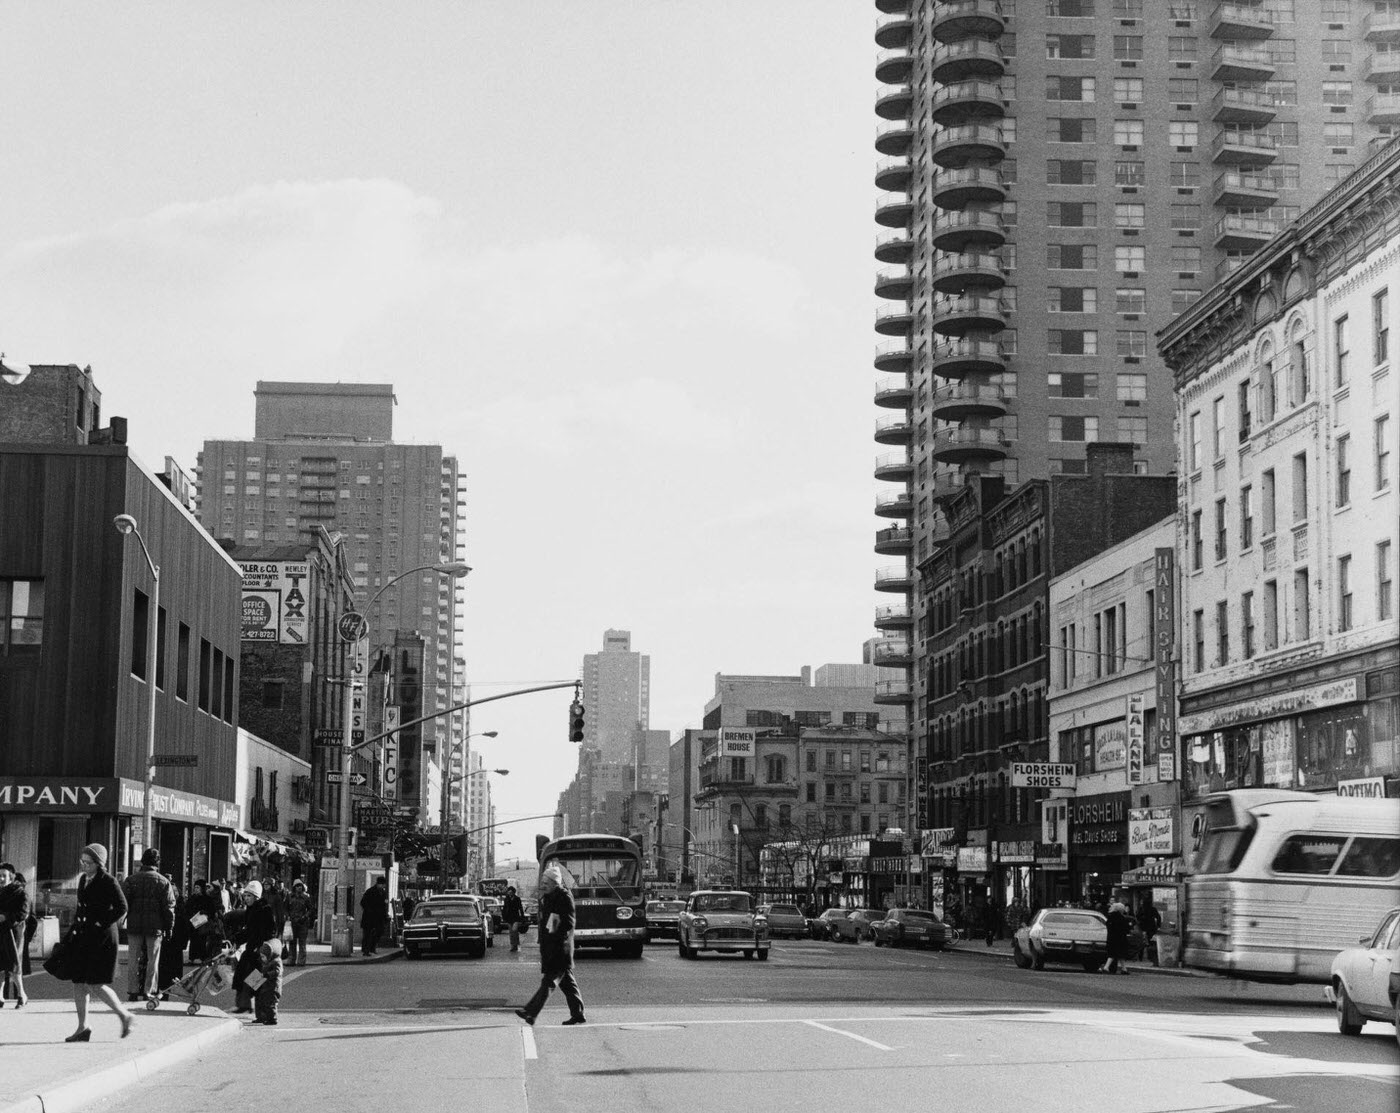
[[390, 767], [1163, 659], [921, 792], [1135, 739]]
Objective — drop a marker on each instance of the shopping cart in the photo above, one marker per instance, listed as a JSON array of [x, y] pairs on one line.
[[212, 977]]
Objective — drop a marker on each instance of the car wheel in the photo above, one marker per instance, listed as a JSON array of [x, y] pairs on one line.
[[1037, 960], [763, 956], [680, 948], [1349, 1021], [1019, 956], [876, 940]]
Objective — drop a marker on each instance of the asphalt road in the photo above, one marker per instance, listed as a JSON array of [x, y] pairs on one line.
[[818, 1025]]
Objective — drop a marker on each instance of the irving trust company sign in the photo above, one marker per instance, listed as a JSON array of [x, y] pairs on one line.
[[111, 795]]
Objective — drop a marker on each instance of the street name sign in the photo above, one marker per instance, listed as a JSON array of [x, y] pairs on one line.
[[174, 759], [333, 778], [1042, 774]]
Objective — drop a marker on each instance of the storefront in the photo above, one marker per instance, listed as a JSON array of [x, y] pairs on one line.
[[1098, 841]]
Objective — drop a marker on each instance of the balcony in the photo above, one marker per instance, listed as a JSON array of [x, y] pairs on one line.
[[1382, 67], [1243, 106], [972, 355], [892, 175], [895, 283], [1251, 64], [893, 430], [891, 654], [893, 392], [894, 541], [1241, 21], [894, 356], [956, 232], [948, 485], [892, 210], [957, 401], [961, 18], [893, 504], [894, 616], [955, 148], [894, 247], [1239, 189], [955, 274], [893, 67], [1244, 148], [968, 442], [968, 102], [894, 322], [952, 189], [1383, 108], [894, 138], [1381, 26], [894, 467], [1244, 233], [896, 32], [718, 773], [895, 578], [958, 316], [894, 104], [969, 58], [892, 691]]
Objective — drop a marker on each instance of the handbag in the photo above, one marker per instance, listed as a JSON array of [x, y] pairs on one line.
[[60, 963]]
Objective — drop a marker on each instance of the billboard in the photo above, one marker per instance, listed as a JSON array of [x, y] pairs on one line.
[[274, 601], [737, 741]]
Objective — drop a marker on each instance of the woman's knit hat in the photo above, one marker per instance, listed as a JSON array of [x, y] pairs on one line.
[[97, 852]]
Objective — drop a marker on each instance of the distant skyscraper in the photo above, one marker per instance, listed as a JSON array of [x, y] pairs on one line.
[[616, 697]]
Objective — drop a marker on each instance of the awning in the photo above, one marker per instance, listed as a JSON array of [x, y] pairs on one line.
[[1167, 872]]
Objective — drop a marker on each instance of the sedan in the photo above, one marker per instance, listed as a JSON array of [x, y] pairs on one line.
[[910, 927], [442, 926], [857, 925], [1366, 979], [724, 921], [784, 919], [1075, 936], [472, 899], [824, 926], [663, 918]]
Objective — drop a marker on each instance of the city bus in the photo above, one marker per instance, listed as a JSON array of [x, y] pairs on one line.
[[1284, 880], [604, 873]]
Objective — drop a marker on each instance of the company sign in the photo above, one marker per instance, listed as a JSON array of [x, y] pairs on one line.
[[936, 845], [172, 804], [1164, 659], [1370, 787], [274, 601], [1098, 825], [58, 794], [1136, 739], [1051, 851], [1273, 707], [1150, 831], [972, 859], [1110, 746], [1042, 774], [737, 741]]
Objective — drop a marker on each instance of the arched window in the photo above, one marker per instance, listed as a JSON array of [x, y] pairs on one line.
[[1299, 373], [1015, 705], [1268, 384], [1035, 553]]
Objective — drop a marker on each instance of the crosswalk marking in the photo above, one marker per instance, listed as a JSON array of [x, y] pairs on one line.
[[527, 1038], [849, 1035]]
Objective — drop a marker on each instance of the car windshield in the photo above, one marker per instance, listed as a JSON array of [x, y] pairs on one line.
[[446, 910], [784, 910], [722, 902], [665, 906], [600, 875]]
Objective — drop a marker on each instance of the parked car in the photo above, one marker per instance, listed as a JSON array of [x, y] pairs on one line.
[[466, 898], [912, 927], [663, 918], [824, 926], [856, 925], [1075, 936], [724, 921], [1366, 979], [495, 906], [784, 920], [532, 910], [443, 926]]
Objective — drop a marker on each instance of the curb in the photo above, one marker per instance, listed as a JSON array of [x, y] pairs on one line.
[[68, 1097], [363, 960], [1006, 956]]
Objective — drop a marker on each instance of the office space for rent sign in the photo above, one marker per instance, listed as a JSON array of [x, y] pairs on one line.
[[274, 601]]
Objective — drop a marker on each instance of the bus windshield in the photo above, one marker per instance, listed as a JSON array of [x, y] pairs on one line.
[[600, 874], [1227, 837]]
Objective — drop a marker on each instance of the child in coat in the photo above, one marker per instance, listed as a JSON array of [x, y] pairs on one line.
[[269, 993]]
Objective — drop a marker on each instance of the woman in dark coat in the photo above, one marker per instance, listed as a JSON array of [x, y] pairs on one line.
[[14, 915], [1120, 927], [93, 940], [255, 928]]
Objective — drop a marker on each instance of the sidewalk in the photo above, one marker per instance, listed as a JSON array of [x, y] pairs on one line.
[[1000, 950]]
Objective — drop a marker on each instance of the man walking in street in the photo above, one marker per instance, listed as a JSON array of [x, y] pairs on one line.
[[150, 917], [374, 916], [514, 912], [556, 949]]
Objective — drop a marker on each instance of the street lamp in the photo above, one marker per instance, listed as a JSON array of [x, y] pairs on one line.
[[126, 524], [445, 847], [448, 779], [341, 944]]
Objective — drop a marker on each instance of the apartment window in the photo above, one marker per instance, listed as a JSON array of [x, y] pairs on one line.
[[1128, 133], [1123, 9], [1198, 640], [1344, 594], [21, 617], [1247, 624], [1127, 48], [1270, 615], [1217, 432], [1071, 299], [1183, 90], [1344, 470], [1268, 392], [1197, 547], [1380, 327], [1072, 341], [1186, 218], [1131, 386], [206, 653], [1221, 536], [1063, 428], [1076, 8], [1337, 134], [1067, 171], [140, 618], [1183, 133], [182, 663], [1186, 259], [1130, 299], [1184, 175], [1282, 93], [1385, 583], [1068, 88], [1302, 606], [1072, 129], [1336, 11], [1382, 443], [1194, 427], [1222, 633], [1129, 173], [1127, 90], [811, 792], [1243, 402], [1246, 516], [1071, 214], [1132, 344], [1181, 48], [1133, 430], [1336, 92], [1336, 51], [1066, 384], [1268, 505], [1282, 50], [1129, 259], [1300, 487], [1069, 46], [160, 648], [1129, 214], [1072, 256]]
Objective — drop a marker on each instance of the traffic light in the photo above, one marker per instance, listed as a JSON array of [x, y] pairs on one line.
[[576, 721]]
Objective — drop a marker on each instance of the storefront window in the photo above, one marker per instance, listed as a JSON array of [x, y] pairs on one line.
[[1224, 759], [1346, 743]]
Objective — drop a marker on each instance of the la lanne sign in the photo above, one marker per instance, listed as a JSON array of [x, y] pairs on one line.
[[1042, 774]]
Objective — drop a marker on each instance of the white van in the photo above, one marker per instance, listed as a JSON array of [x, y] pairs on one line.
[[1285, 880]]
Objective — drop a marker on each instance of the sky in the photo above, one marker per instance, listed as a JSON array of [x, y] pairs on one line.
[[614, 256]]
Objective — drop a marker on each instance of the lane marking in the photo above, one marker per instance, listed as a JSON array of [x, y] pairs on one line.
[[849, 1035], [527, 1038]]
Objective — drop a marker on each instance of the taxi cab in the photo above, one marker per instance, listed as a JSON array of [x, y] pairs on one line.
[[722, 921]]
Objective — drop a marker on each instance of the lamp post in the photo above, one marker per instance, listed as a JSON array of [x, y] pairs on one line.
[[448, 779], [126, 524], [445, 848], [341, 944]]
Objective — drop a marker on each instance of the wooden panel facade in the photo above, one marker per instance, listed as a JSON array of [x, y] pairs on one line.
[[75, 708]]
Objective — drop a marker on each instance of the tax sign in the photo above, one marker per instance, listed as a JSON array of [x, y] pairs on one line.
[[1042, 774]]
